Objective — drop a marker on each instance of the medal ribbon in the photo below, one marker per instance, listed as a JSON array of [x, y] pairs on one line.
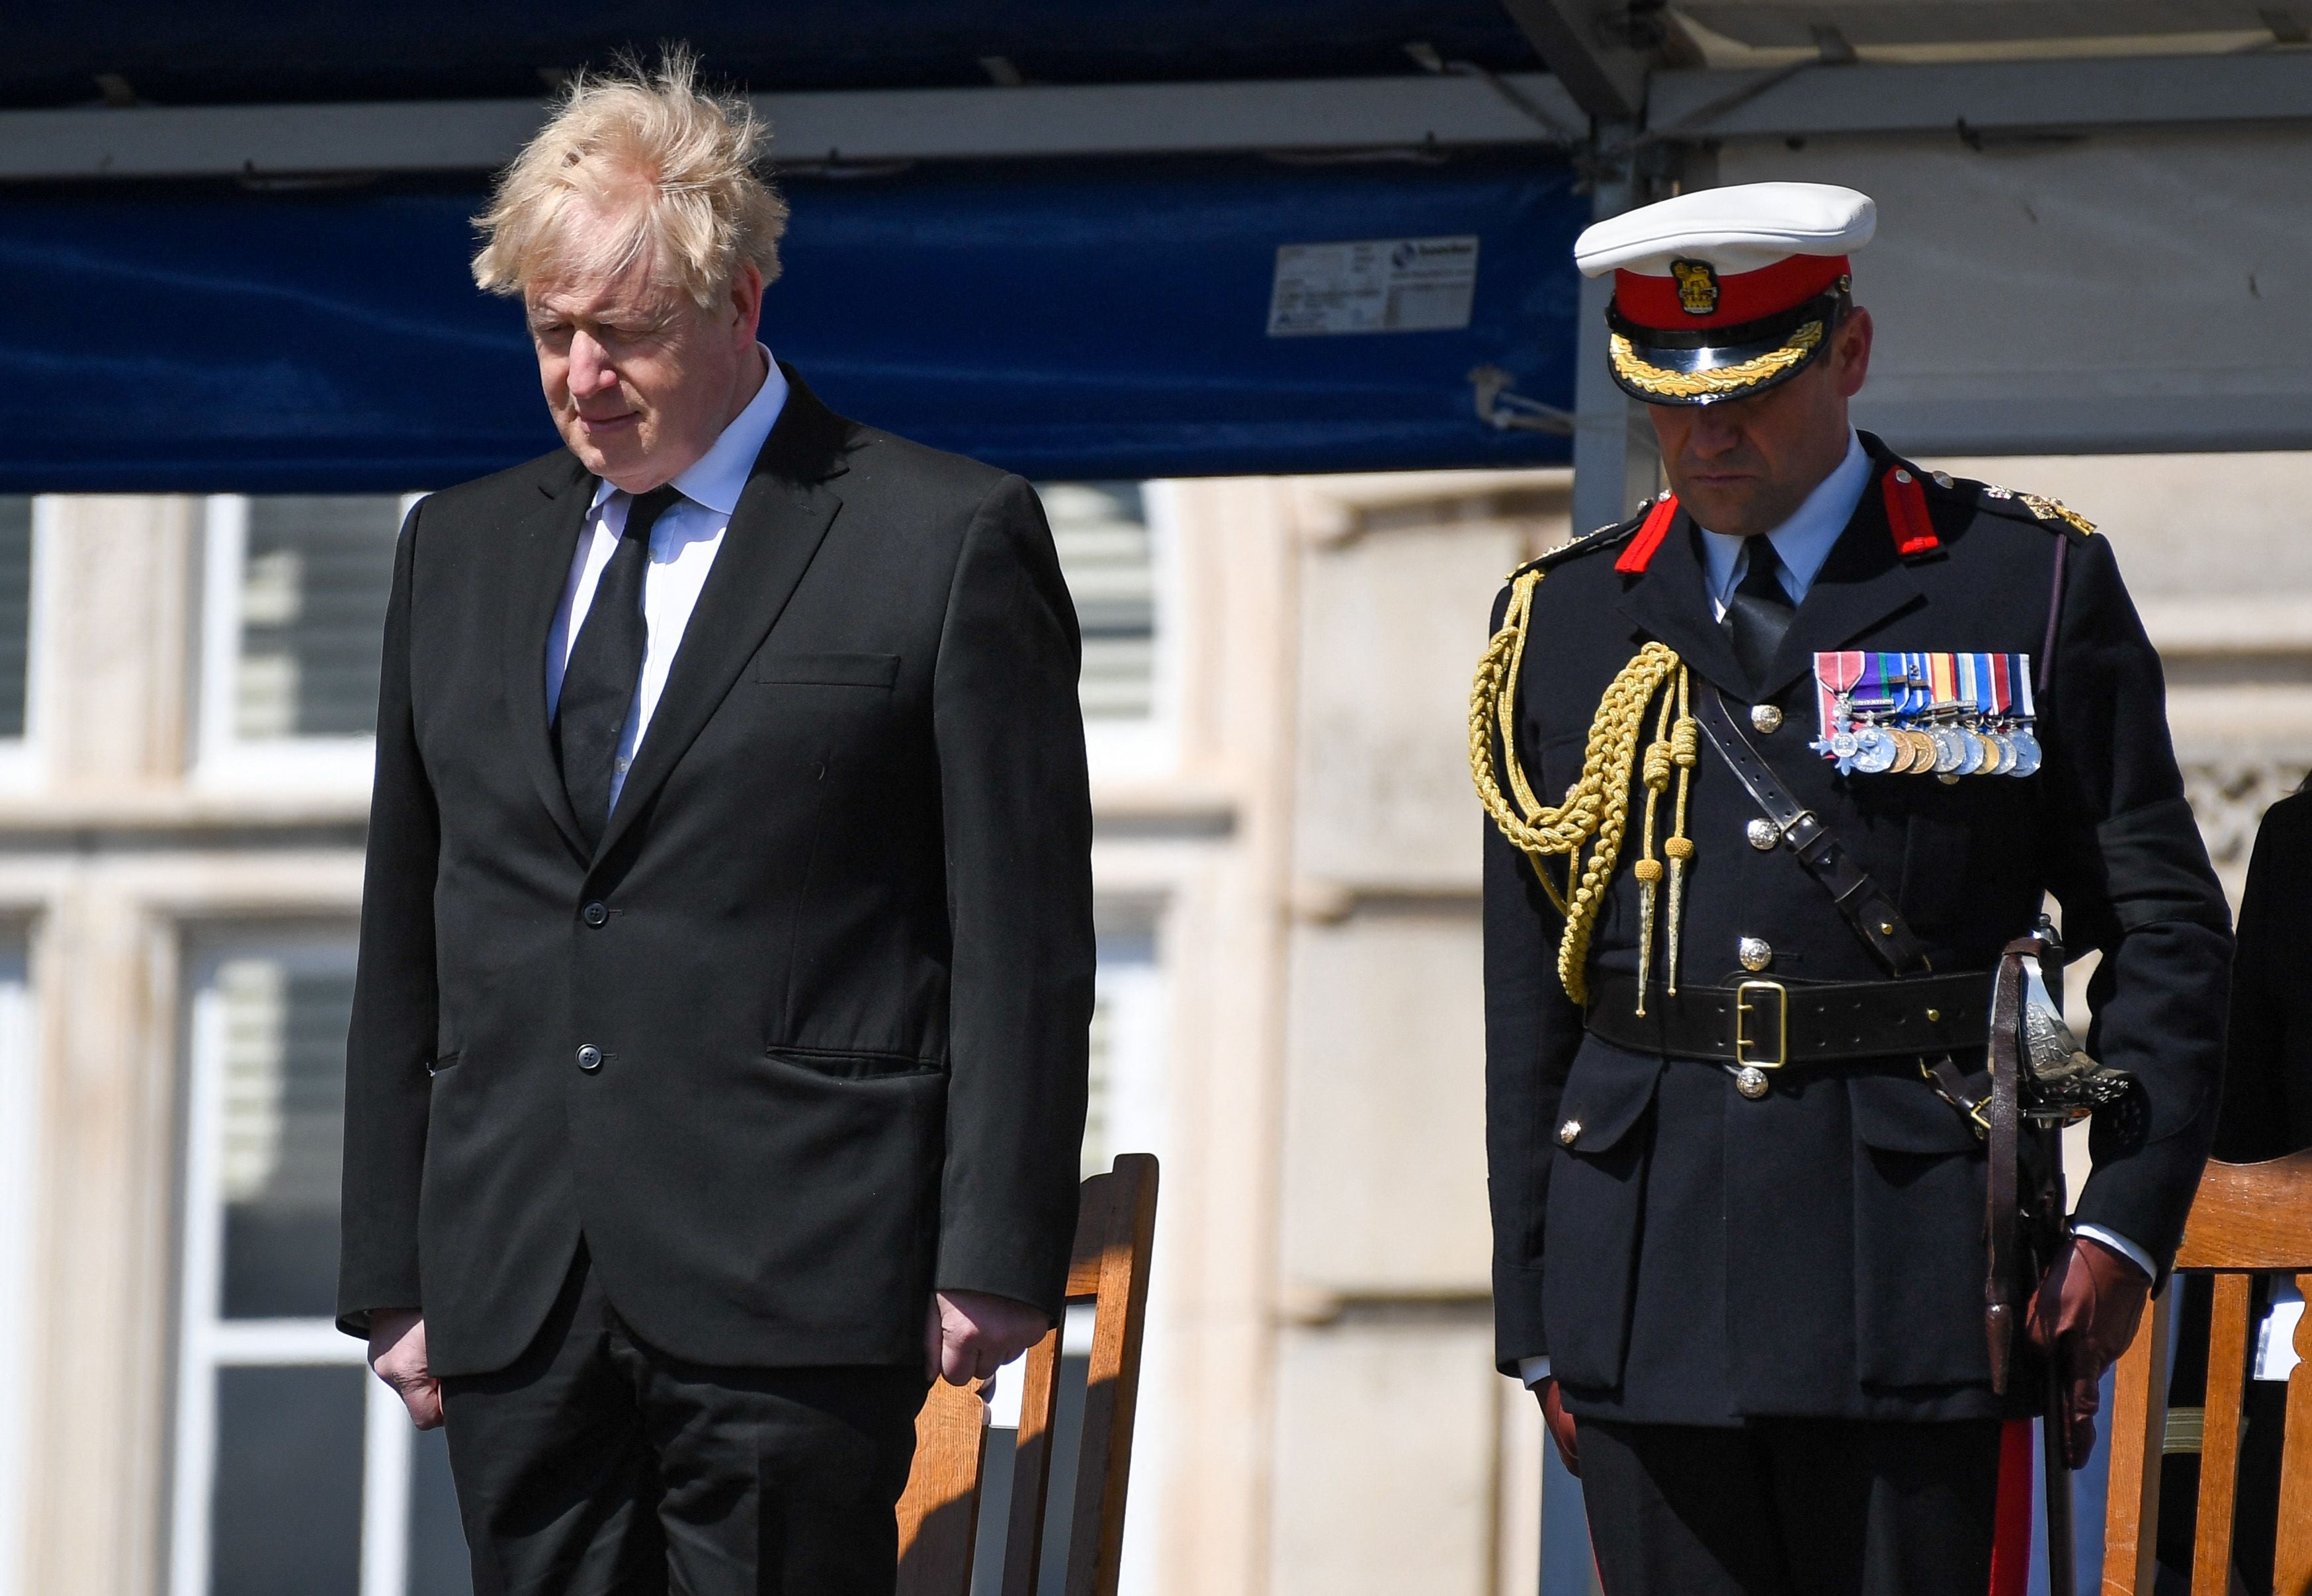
[[1942, 671], [1834, 677]]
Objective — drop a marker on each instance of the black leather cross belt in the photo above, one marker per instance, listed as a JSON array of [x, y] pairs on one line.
[[1766, 1024]]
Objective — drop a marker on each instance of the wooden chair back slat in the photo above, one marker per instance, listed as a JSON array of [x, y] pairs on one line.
[[1031, 1460], [2247, 1219], [1119, 1278], [2139, 1420], [2212, 1546], [2291, 1563], [938, 1516]]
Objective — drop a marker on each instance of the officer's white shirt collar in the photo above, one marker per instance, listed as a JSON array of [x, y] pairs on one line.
[[720, 475], [1803, 542], [683, 543]]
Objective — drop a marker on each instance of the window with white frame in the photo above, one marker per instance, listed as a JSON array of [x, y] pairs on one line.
[[293, 596], [1112, 538], [20, 1121], [297, 1473], [20, 523]]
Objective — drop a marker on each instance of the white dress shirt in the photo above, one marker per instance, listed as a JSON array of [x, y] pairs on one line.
[[1804, 543], [683, 543]]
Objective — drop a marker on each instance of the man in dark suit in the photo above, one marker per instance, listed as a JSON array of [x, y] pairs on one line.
[[718, 1058], [1777, 771]]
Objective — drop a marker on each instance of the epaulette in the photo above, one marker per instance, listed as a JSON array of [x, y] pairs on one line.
[[2051, 513], [1608, 537]]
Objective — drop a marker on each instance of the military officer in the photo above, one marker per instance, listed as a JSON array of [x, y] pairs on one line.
[[1775, 769]]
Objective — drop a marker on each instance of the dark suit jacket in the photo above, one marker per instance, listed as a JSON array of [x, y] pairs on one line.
[[835, 948], [1696, 1257], [2266, 1113], [2267, 1103]]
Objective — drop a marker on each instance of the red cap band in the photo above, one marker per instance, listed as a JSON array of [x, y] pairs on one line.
[[1661, 302]]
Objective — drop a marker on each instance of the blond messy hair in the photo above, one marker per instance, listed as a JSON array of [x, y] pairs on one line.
[[668, 165]]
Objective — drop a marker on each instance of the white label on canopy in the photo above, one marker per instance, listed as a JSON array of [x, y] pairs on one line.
[[1376, 285]]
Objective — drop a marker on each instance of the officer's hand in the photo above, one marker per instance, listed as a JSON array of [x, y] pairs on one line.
[[397, 1352], [1560, 1424], [969, 1335], [2083, 1316]]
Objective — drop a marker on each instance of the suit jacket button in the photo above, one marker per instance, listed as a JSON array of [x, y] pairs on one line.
[[596, 914], [590, 1057]]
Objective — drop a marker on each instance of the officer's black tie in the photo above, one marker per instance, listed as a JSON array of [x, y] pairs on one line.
[[606, 667], [1759, 612]]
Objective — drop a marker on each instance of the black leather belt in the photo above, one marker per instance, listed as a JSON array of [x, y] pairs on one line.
[[1766, 1024]]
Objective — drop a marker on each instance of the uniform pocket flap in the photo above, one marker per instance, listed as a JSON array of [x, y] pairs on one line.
[[856, 1067], [828, 671], [1899, 1113], [1606, 1094]]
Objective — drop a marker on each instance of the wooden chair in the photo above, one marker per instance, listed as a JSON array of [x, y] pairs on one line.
[[939, 1515], [2247, 1219]]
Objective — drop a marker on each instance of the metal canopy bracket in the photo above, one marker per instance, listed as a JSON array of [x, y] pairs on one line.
[[1607, 78]]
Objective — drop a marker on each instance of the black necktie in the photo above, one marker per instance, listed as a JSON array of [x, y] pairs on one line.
[[1759, 613], [605, 668]]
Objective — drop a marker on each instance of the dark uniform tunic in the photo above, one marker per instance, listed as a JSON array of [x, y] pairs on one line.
[[1686, 1255]]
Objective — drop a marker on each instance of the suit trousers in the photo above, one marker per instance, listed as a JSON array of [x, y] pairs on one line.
[[1791, 1507], [596, 1465]]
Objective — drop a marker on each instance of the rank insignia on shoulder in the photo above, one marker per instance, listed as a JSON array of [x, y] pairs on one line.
[[1948, 715], [2055, 509]]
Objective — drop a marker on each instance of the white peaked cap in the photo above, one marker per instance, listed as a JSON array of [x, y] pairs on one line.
[[1742, 229]]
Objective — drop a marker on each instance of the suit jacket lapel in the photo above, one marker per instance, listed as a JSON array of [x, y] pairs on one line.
[[1671, 602], [536, 572], [773, 533], [1862, 583]]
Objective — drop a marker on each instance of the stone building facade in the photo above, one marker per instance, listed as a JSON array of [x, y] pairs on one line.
[[1278, 676]]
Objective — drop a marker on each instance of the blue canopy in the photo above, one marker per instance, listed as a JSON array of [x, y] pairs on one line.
[[1068, 318], [221, 51]]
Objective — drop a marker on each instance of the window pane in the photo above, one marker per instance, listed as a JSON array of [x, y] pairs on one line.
[[312, 612], [285, 1084], [285, 1516], [16, 610], [438, 1564], [1101, 531], [1097, 1153]]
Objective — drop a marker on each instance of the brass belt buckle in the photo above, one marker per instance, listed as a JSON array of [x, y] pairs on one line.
[[1749, 1073]]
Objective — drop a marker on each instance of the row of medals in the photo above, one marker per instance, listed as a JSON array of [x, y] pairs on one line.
[[1955, 741]]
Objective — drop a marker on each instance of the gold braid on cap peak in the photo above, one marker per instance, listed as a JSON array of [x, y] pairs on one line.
[[1596, 813], [1719, 379]]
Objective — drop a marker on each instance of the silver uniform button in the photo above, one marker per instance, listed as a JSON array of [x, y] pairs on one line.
[[1755, 952], [1762, 833], [1766, 718], [1750, 1081], [1569, 1131]]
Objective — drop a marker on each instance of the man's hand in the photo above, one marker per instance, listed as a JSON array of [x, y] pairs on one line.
[[1560, 1424], [2083, 1316], [397, 1352], [969, 1335]]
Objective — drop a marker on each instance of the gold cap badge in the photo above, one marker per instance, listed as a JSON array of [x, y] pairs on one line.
[[1697, 286]]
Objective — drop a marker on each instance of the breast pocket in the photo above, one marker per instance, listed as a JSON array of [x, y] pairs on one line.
[[825, 670]]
